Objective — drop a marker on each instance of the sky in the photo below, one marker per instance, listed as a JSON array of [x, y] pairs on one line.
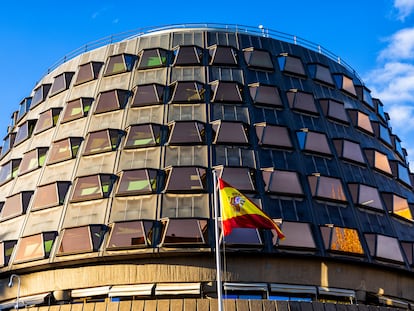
[[375, 37]]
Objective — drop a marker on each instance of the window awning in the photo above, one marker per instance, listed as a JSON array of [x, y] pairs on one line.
[[92, 291], [25, 301], [388, 301], [178, 289], [131, 290], [245, 286], [339, 292], [295, 289]]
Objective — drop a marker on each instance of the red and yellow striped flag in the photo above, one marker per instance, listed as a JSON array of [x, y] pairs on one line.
[[237, 211]]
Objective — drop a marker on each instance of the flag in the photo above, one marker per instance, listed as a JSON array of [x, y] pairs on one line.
[[237, 211]]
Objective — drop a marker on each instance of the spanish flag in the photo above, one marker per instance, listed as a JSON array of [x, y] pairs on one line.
[[237, 211]]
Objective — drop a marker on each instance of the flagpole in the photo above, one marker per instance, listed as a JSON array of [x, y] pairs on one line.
[[217, 239]]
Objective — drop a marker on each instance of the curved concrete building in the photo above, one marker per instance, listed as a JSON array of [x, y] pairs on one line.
[[106, 183]]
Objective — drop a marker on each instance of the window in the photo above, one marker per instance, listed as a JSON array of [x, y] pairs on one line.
[[102, 141], [50, 195], [16, 205], [229, 132], [313, 142], [365, 196], [361, 121], [243, 237], [382, 132], [61, 82], [241, 178], [6, 250], [297, 235], [35, 247], [403, 174], [291, 65], [9, 170], [337, 239], [187, 92], [186, 132], [24, 108], [188, 55], [349, 150], [64, 149], [320, 73], [334, 110], [25, 131], [152, 58], [81, 239], [380, 110], [119, 64], [76, 109], [384, 247], [398, 148], [47, 120], [265, 95], [258, 59], [186, 112], [134, 208], [282, 182], [229, 112], [92, 187], [148, 94], [194, 205], [273, 135], [185, 179], [136, 182], [226, 91], [225, 74], [33, 160], [130, 234], [186, 155], [329, 188], [365, 96], [344, 83], [184, 232], [222, 55], [40, 94], [378, 161], [111, 100], [88, 72], [8, 143], [234, 156], [397, 205], [143, 135], [301, 101]]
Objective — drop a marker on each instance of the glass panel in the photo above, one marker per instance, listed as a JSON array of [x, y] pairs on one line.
[[313, 141], [401, 208], [226, 92], [185, 231], [143, 136], [326, 188], [301, 101], [366, 97], [119, 64], [40, 94], [88, 72], [258, 59], [352, 151], [130, 234], [273, 135], [187, 112], [365, 196], [344, 83], [24, 107], [47, 120], [92, 187], [64, 149], [76, 109], [229, 132], [50, 195], [320, 73], [185, 179], [364, 123], [149, 94], [76, 240], [282, 182], [222, 55], [185, 205], [334, 110], [388, 248], [241, 178], [186, 132], [265, 95], [381, 162], [384, 135], [9, 170], [6, 250], [35, 247], [291, 64], [185, 92], [102, 141], [297, 235], [16, 204], [32, 160], [152, 58], [404, 174], [234, 156], [243, 237], [188, 55], [61, 82], [111, 100], [345, 240], [135, 182], [8, 143], [25, 131]]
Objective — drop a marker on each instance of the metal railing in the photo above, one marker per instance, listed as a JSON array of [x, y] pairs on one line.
[[260, 31]]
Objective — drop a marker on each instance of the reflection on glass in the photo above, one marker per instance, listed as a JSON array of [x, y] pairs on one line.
[[185, 231], [76, 109], [130, 234]]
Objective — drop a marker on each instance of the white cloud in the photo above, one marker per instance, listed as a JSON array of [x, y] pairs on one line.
[[404, 7], [400, 45]]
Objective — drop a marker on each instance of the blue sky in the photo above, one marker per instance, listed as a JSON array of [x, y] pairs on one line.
[[376, 37]]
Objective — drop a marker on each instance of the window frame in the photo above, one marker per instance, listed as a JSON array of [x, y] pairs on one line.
[[83, 104], [126, 60], [94, 70], [61, 82], [47, 120], [154, 140], [105, 102], [126, 177], [43, 243], [72, 147], [32, 160], [297, 98], [112, 142], [102, 182], [202, 240], [55, 195], [141, 90], [144, 227], [94, 243]]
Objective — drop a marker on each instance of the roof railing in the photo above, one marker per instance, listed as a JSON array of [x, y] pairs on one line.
[[260, 31]]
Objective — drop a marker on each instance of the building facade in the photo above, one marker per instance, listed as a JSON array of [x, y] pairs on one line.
[[106, 183]]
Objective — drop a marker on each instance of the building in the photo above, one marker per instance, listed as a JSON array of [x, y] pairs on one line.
[[106, 180]]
